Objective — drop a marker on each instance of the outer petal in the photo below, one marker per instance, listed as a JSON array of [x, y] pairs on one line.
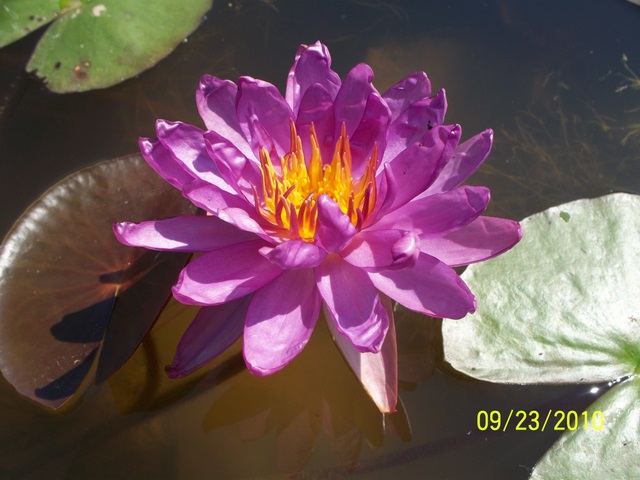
[[335, 229], [216, 101], [378, 372], [430, 287], [312, 66], [181, 234], [414, 122], [484, 238], [407, 92], [295, 254], [435, 215], [264, 117], [353, 302], [186, 144], [465, 160], [224, 274], [281, 317], [160, 159], [212, 331]]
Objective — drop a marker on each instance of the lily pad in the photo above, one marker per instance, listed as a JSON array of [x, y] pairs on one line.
[[563, 306], [96, 44], [70, 293]]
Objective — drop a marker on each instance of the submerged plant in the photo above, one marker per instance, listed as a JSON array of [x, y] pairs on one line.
[[334, 196]]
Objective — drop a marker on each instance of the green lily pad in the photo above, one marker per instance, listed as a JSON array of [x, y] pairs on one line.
[[563, 306], [70, 293], [603, 446], [21, 17], [99, 43]]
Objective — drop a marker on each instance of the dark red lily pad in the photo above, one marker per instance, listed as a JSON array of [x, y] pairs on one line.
[[71, 296]]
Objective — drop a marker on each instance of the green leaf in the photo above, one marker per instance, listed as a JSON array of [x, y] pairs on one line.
[[103, 42], [611, 452], [70, 293], [563, 305], [19, 18]]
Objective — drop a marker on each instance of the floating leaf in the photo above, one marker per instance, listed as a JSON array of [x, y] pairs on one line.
[[605, 444], [21, 17], [563, 305], [99, 43], [69, 292]]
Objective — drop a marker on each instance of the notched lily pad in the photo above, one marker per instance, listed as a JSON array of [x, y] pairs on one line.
[[69, 292]]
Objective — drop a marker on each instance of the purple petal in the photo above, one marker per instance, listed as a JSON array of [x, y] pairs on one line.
[[160, 159], [311, 67], [435, 215], [212, 331], [224, 274], [295, 254], [484, 238], [419, 165], [353, 302], [280, 320], [186, 144], [377, 372], [335, 229], [430, 287], [264, 117], [234, 167], [382, 249], [407, 92], [316, 107], [352, 98], [181, 234], [466, 159], [216, 100], [228, 207], [414, 122], [372, 131]]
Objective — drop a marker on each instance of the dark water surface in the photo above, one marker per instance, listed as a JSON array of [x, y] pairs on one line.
[[549, 78]]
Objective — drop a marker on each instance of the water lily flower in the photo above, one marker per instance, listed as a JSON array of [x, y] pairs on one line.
[[332, 197]]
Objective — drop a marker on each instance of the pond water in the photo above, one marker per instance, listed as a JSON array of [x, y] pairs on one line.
[[555, 81]]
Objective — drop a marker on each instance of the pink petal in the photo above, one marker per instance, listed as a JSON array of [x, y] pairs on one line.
[[466, 159], [235, 168], [372, 130], [484, 238], [212, 331], [224, 274], [181, 234], [406, 92], [415, 168], [316, 107], [335, 229], [295, 254], [311, 67], [414, 122], [186, 144], [160, 159], [435, 215], [264, 117], [352, 98], [281, 317], [430, 287], [353, 302], [377, 372], [216, 100], [382, 249]]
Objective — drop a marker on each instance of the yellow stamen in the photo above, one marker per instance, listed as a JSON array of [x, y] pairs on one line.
[[289, 199]]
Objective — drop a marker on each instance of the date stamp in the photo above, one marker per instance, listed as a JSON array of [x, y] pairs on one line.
[[534, 420]]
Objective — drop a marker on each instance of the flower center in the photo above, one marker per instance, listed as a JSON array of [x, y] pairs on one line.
[[289, 199]]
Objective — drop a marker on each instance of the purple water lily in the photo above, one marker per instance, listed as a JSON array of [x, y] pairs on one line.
[[334, 196]]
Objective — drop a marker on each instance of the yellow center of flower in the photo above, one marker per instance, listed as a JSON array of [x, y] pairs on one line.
[[289, 199]]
